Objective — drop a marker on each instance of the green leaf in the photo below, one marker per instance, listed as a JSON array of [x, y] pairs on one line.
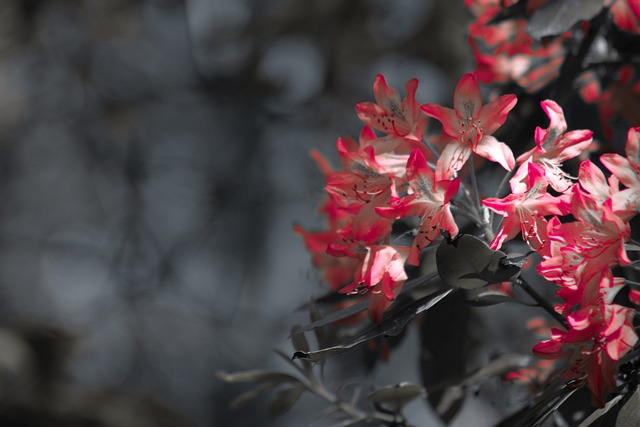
[[629, 415], [467, 262], [284, 400], [396, 396], [257, 376], [390, 326]]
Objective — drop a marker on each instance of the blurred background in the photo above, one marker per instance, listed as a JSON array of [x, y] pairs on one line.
[[153, 159]]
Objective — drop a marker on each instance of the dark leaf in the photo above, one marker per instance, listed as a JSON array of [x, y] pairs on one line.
[[322, 336], [446, 346], [598, 413], [337, 315], [631, 248], [515, 11], [486, 298], [497, 367], [629, 415], [396, 396], [559, 16], [467, 262], [284, 400], [390, 326], [257, 376], [300, 342], [251, 394], [362, 305], [534, 414]]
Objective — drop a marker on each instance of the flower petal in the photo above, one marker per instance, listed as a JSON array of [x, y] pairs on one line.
[[492, 149], [494, 114], [466, 98], [444, 115]]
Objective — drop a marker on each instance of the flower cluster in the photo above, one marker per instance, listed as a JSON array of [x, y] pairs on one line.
[[395, 176], [388, 177], [505, 52], [578, 225], [579, 257]]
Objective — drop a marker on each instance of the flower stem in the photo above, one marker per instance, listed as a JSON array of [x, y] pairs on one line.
[[474, 183], [542, 302]]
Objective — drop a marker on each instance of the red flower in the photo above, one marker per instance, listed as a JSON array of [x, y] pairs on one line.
[[471, 124], [390, 114], [598, 337], [554, 145], [525, 211], [627, 171], [429, 200]]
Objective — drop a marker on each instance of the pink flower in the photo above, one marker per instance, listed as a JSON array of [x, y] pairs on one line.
[[471, 124], [429, 200], [626, 15], [598, 337], [525, 211], [390, 114], [554, 145], [381, 271], [627, 171], [362, 180]]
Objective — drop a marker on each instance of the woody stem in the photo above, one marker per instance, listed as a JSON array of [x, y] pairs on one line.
[[542, 302]]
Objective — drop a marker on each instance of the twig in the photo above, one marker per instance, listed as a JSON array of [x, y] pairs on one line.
[[542, 302]]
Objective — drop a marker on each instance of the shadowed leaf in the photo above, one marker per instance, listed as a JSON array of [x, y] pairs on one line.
[[446, 347], [284, 400], [598, 413], [390, 326], [396, 396], [559, 16], [251, 394], [534, 414], [300, 342], [362, 305], [629, 415], [487, 298], [257, 376], [467, 262]]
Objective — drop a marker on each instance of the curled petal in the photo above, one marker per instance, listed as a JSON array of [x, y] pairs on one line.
[[492, 149], [452, 159], [549, 349]]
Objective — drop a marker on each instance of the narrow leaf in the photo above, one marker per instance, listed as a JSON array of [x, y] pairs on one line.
[[364, 304], [558, 16], [257, 376], [487, 298], [553, 396], [629, 415], [397, 395], [391, 326], [284, 400], [251, 394], [299, 340], [595, 415], [497, 367]]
